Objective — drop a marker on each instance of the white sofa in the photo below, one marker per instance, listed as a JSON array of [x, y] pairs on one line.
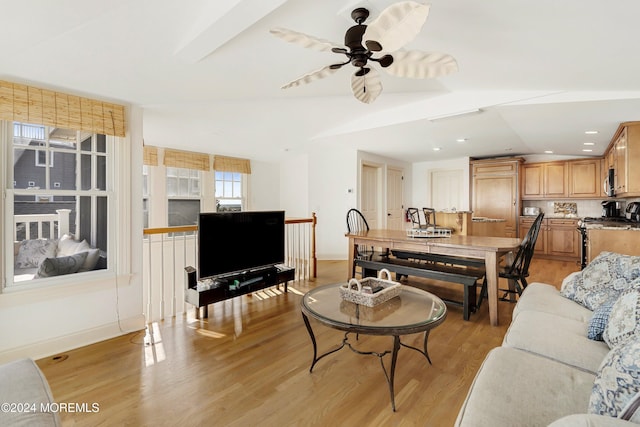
[[37, 258], [25, 396], [548, 372]]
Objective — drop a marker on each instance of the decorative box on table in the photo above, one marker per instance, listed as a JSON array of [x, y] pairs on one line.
[[362, 291]]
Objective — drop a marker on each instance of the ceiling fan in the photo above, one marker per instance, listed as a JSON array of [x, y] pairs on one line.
[[396, 26]]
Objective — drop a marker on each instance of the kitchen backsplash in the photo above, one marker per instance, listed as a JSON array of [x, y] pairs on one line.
[[583, 208]]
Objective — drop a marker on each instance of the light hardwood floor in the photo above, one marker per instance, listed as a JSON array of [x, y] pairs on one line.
[[248, 365]]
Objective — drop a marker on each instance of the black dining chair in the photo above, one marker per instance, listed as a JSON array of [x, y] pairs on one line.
[[429, 216], [356, 222], [414, 216], [518, 271]]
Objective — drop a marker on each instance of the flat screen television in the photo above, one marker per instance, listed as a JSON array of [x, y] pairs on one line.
[[230, 242]]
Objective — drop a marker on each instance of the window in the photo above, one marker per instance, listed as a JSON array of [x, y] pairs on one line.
[[229, 195], [49, 199], [183, 194]]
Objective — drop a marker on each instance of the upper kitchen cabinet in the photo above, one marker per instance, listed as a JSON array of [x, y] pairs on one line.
[[546, 180], [574, 179], [584, 178], [623, 156], [494, 191]]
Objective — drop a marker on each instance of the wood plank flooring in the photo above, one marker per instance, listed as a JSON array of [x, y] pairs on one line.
[[248, 365]]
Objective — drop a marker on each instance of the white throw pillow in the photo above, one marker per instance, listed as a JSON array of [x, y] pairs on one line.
[[68, 246]]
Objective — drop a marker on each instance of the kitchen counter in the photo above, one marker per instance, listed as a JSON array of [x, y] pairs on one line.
[[481, 219], [611, 226]]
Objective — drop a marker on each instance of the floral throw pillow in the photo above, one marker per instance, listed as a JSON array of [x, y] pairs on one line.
[[606, 276], [33, 251], [616, 389], [624, 320]]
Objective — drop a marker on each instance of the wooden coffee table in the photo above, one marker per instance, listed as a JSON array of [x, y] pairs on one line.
[[413, 311]]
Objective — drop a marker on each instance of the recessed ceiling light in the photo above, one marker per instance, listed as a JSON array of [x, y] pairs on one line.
[[548, 152], [589, 143], [587, 150], [591, 132], [437, 149], [461, 139]]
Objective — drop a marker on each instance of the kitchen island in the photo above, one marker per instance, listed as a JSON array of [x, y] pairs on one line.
[[613, 237], [463, 223]]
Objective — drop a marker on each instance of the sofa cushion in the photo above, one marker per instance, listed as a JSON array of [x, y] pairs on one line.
[[624, 320], [599, 321], [606, 276], [23, 382], [61, 265], [557, 338], [546, 298], [32, 252], [616, 389], [516, 388]]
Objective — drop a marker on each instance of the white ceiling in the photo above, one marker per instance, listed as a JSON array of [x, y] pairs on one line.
[[208, 73]]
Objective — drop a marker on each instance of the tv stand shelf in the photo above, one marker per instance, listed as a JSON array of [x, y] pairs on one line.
[[231, 286]]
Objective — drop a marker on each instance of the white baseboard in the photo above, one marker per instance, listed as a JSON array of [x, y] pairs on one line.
[[65, 343]]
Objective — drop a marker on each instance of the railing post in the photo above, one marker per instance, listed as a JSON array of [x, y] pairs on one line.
[[63, 221], [314, 260]]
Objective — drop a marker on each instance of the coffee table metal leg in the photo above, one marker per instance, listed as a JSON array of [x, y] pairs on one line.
[[315, 346], [392, 374], [424, 352]]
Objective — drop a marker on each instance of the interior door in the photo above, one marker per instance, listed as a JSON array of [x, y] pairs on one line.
[[395, 199], [370, 191]]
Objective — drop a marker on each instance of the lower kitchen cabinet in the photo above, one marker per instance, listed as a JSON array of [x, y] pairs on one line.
[[618, 240], [558, 238]]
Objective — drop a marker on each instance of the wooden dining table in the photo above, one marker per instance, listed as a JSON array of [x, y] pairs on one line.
[[490, 249]]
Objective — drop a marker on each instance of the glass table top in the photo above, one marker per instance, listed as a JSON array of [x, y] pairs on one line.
[[412, 309]]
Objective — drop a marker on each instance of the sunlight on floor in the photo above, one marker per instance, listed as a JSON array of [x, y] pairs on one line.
[[154, 349]]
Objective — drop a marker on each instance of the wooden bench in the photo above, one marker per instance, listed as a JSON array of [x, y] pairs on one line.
[[465, 271]]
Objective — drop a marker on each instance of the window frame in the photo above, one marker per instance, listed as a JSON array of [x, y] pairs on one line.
[[110, 154]]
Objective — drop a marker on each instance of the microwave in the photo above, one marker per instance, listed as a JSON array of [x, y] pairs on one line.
[[609, 183]]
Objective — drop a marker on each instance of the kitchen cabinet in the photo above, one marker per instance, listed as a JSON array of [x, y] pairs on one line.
[[584, 178], [623, 155], [544, 181], [494, 191], [558, 238], [623, 241]]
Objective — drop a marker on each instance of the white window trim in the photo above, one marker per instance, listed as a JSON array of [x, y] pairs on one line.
[[118, 176], [37, 158]]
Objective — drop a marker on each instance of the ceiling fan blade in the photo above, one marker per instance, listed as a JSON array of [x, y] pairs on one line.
[[366, 86], [312, 76], [304, 40], [421, 65], [396, 26]]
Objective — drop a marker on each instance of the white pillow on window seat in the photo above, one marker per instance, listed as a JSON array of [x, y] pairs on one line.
[[67, 246]]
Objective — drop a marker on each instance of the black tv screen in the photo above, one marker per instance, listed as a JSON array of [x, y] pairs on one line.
[[231, 242]]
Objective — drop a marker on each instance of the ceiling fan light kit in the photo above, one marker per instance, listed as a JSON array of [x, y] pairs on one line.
[[396, 26]]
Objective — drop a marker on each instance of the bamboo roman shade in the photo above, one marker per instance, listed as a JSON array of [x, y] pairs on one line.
[[150, 155], [30, 104], [231, 164], [186, 159]]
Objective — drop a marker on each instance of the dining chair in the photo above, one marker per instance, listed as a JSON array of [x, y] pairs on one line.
[[356, 222], [429, 216], [518, 271], [414, 216]]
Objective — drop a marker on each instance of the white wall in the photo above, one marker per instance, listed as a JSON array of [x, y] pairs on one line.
[[40, 322], [421, 184], [331, 173], [264, 186], [294, 186]]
